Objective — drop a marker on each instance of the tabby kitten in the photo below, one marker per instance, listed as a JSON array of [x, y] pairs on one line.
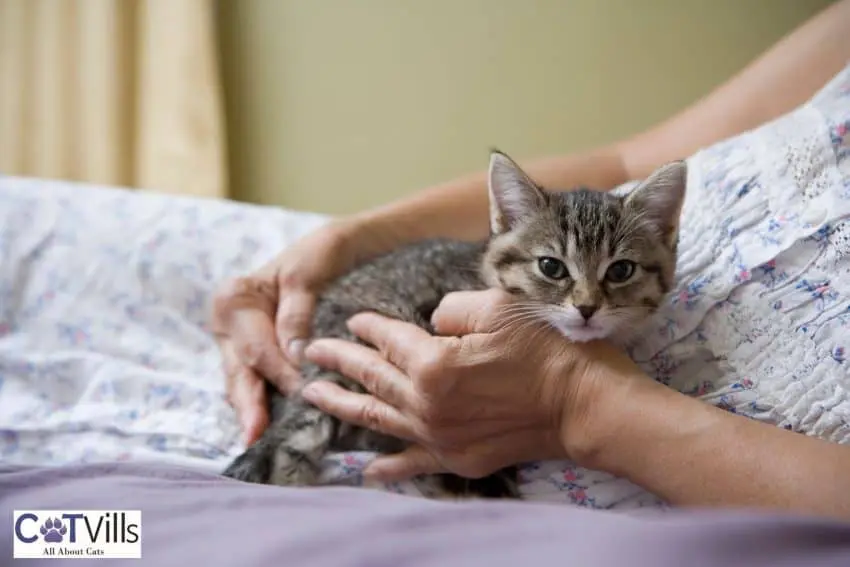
[[590, 264]]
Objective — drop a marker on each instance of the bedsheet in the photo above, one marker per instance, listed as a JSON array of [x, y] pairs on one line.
[[190, 518], [105, 347]]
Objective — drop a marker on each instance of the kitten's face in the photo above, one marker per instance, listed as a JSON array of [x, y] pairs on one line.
[[591, 264]]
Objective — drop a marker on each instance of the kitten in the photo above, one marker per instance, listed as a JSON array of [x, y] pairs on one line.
[[591, 264]]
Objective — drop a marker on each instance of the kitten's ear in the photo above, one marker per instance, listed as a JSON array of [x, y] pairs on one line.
[[513, 195], [659, 199]]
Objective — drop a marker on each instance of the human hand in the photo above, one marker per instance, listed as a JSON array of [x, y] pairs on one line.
[[261, 321], [483, 396]]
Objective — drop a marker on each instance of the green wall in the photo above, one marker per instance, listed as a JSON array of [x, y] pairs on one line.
[[339, 105]]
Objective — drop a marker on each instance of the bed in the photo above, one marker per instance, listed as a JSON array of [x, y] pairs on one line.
[[105, 349]]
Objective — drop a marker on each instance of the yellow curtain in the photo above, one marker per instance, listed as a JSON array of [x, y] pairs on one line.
[[118, 92]]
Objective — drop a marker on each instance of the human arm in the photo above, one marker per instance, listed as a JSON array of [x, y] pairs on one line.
[[261, 320], [459, 400], [696, 455], [779, 80]]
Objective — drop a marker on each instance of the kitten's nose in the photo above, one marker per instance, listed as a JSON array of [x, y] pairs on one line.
[[587, 311]]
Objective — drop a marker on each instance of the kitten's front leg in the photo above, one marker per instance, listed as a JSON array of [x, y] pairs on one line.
[[254, 465], [503, 484], [290, 451], [305, 440]]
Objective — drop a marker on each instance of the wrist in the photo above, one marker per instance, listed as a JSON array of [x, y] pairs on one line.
[[380, 231], [363, 237], [600, 404], [637, 425]]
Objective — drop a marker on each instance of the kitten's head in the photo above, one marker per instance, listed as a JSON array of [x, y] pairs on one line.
[[592, 264]]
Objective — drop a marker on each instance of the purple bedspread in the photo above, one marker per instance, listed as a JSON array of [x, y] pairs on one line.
[[197, 519]]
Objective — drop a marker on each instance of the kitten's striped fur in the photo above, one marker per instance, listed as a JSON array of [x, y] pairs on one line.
[[586, 231]]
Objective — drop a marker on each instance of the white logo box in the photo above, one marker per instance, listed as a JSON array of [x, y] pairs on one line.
[[69, 534]]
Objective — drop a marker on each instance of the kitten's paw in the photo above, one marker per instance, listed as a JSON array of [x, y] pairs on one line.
[[251, 466], [292, 468], [502, 485]]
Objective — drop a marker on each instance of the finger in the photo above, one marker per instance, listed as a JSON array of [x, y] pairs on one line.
[[253, 337], [247, 395], [294, 322], [402, 466], [466, 312], [364, 365], [243, 315], [397, 340], [358, 409]]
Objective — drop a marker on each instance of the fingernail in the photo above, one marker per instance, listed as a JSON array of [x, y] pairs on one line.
[[311, 392], [295, 350]]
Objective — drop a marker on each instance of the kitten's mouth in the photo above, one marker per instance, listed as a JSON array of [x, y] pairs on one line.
[[581, 333], [584, 334]]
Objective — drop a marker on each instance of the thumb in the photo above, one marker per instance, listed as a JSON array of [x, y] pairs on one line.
[[411, 462], [467, 312], [294, 321]]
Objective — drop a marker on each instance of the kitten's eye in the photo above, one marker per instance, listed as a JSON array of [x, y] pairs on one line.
[[552, 268], [620, 271]]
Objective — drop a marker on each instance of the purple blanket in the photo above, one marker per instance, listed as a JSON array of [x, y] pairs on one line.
[[191, 518]]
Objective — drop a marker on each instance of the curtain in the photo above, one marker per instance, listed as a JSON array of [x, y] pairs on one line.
[[117, 92]]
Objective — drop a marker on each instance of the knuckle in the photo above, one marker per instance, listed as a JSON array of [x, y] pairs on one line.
[[224, 296], [293, 307], [251, 353], [241, 292], [291, 318], [371, 378], [229, 288], [371, 415], [236, 287], [289, 277]]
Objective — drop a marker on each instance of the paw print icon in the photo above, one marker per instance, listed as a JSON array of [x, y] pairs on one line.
[[53, 530]]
